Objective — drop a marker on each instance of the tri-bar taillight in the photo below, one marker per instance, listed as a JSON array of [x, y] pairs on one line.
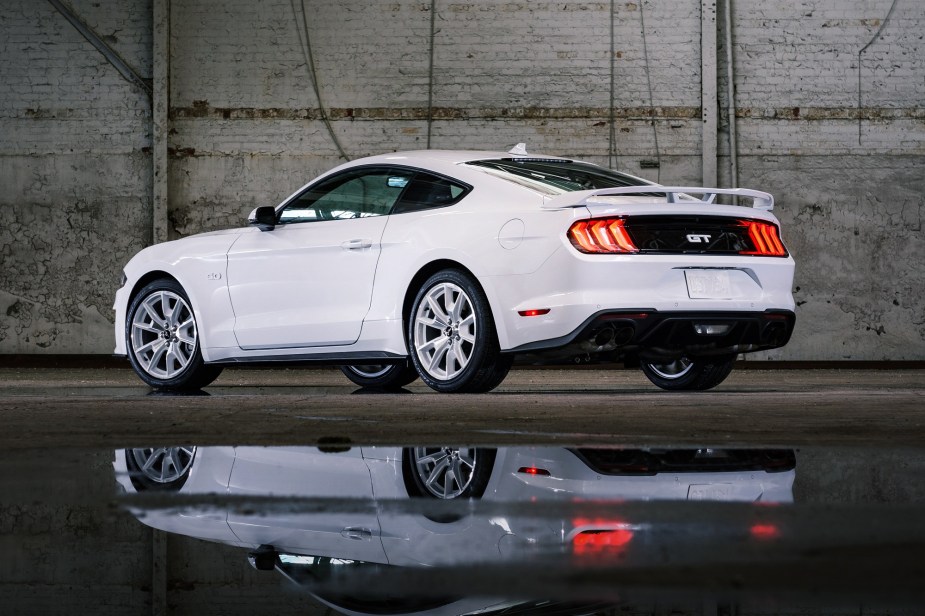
[[764, 239], [727, 235], [606, 235]]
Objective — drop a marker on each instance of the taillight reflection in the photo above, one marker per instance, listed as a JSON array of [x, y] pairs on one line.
[[601, 235], [603, 538]]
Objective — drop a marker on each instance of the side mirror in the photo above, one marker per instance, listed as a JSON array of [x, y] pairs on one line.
[[263, 217]]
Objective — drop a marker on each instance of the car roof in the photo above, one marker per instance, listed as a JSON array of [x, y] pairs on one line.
[[453, 157]]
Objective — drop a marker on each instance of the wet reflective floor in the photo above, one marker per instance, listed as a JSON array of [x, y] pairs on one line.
[[565, 492]]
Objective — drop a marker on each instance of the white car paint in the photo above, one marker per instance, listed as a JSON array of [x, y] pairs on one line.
[[337, 288]]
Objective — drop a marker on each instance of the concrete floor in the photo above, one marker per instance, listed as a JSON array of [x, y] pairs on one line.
[[856, 527], [110, 408]]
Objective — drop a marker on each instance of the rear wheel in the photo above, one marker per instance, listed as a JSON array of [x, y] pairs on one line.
[[384, 376], [447, 473], [689, 374], [162, 339], [451, 336]]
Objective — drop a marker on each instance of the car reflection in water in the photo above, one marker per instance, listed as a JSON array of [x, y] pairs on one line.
[[348, 524]]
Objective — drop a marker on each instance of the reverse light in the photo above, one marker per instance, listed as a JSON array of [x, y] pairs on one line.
[[536, 312], [765, 240], [601, 235], [712, 329]]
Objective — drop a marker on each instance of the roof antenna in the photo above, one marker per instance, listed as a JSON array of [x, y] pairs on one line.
[[520, 149]]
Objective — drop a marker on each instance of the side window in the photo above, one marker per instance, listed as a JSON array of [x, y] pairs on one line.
[[428, 191], [357, 193]]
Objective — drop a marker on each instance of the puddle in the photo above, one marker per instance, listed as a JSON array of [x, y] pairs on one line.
[[347, 529]]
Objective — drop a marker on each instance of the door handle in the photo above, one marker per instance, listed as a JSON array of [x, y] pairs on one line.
[[355, 244], [356, 533]]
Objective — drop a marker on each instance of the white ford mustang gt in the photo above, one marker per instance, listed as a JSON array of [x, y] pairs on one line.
[[444, 265]]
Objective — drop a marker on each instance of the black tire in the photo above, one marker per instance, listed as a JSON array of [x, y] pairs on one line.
[[686, 374], [181, 339], [159, 468], [475, 466], [471, 335], [381, 376]]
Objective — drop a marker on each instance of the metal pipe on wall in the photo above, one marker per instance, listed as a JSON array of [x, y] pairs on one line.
[[709, 103]]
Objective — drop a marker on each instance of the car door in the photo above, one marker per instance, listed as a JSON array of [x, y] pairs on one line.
[[308, 282], [300, 527]]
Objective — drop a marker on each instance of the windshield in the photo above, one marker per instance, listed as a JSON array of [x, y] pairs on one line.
[[557, 176]]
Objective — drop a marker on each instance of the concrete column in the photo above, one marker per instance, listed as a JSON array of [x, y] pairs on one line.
[[708, 90], [161, 106]]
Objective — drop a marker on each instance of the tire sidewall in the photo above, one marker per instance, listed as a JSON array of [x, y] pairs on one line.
[[704, 374], [396, 376]]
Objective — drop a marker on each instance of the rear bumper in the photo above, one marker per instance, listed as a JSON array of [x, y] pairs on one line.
[[653, 334]]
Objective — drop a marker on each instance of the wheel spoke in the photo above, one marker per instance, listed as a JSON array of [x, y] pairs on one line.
[[451, 362], [149, 345], [166, 310], [462, 359], [448, 481], [147, 327], [430, 345], [432, 458], [439, 315], [467, 459], [440, 351], [156, 356], [467, 329], [438, 471], [155, 318]]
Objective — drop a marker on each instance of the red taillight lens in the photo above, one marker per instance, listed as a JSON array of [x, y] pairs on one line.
[[765, 241], [601, 235], [764, 531]]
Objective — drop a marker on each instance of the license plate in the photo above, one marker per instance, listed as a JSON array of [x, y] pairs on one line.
[[708, 284], [710, 492]]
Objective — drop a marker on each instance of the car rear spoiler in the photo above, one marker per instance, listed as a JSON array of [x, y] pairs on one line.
[[675, 194]]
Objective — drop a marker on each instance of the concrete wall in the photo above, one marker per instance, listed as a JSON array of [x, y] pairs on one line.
[[245, 130]]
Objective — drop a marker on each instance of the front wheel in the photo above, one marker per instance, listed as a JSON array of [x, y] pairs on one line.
[[163, 341], [383, 376], [161, 468], [451, 336], [689, 374]]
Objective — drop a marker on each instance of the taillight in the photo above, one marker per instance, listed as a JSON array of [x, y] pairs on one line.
[[764, 238], [601, 235]]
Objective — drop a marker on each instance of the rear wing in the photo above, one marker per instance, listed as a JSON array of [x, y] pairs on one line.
[[675, 194]]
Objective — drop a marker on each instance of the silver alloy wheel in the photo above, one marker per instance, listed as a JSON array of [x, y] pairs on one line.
[[444, 331], [164, 334], [445, 472], [674, 369], [164, 464], [370, 371]]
